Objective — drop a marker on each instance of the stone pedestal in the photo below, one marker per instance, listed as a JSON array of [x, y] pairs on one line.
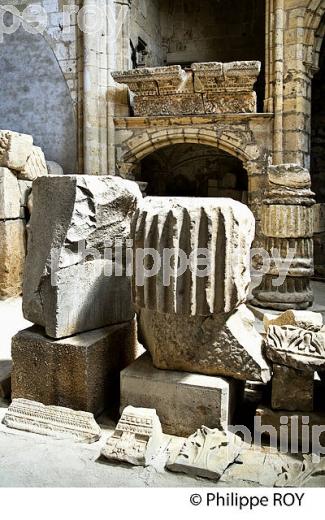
[[184, 402], [287, 222], [81, 372]]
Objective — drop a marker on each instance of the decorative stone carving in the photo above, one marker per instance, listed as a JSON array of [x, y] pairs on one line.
[[207, 453], [292, 389], [137, 437], [223, 228], [35, 166], [183, 401], [219, 345], [15, 149], [9, 195], [302, 319], [55, 421], [296, 348], [71, 282], [209, 88], [287, 222]]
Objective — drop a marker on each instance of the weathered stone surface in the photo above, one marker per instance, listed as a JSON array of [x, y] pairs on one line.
[[12, 257], [34, 417], [287, 221], [53, 168], [5, 379], [300, 427], [223, 103], [170, 104], [236, 76], [153, 81], [137, 437], [292, 389], [72, 282], [294, 293], [222, 228], [15, 149], [307, 320], [183, 401], [25, 188], [296, 348], [215, 345], [81, 372], [9, 195], [207, 453], [289, 175], [35, 166], [319, 218]]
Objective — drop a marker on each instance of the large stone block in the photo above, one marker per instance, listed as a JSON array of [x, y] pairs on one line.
[[220, 345], [81, 372], [220, 229], [292, 389], [75, 277], [184, 402], [12, 257], [15, 149], [35, 166], [10, 196]]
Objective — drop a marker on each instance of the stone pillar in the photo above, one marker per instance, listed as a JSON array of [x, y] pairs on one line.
[[287, 225]]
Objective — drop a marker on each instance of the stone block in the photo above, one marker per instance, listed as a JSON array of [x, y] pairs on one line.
[[9, 195], [137, 437], [54, 421], [81, 372], [15, 149], [207, 453], [35, 166], [233, 103], [183, 401], [289, 175], [217, 345], [75, 276], [12, 257], [294, 429], [168, 105], [292, 389]]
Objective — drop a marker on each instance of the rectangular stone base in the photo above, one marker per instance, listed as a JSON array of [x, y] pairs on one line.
[[305, 429], [184, 401], [81, 372]]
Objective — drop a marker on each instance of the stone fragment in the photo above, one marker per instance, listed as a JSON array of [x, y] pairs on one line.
[[35, 166], [222, 229], [207, 453], [55, 421], [9, 195], [294, 429], [12, 257], [296, 348], [223, 345], [137, 437], [25, 188], [292, 389], [168, 105], [305, 473], [234, 77], [153, 81], [75, 276], [5, 379], [183, 401], [54, 168], [223, 103], [307, 320], [81, 372], [289, 175], [15, 149]]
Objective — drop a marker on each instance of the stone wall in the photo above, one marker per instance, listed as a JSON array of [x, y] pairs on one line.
[[145, 23]]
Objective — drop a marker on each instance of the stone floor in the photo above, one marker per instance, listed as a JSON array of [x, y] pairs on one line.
[[29, 460]]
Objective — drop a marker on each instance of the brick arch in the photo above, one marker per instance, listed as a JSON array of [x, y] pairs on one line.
[[140, 147], [314, 32]]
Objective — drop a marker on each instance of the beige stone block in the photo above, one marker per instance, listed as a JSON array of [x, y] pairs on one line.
[[168, 105], [9, 195], [223, 103], [15, 149], [35, 166], [302, 319], [12, 257], [81, 372], [184, 402]]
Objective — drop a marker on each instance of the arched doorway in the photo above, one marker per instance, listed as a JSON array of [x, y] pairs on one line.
[[193, 170]]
